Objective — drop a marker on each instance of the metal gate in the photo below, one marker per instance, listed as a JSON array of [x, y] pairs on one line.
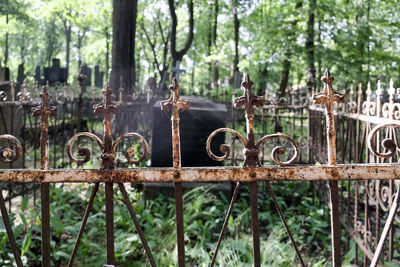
[[252, 172]]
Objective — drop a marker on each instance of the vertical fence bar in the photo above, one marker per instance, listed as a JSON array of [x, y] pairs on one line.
[[107, 156], [9, 230], [175, 104], [44, 110], [328, 97]]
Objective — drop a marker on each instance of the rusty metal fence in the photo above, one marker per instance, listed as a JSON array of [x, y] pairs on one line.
[[252, 172]]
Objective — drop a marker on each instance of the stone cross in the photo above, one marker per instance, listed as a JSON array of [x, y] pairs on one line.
[[178, 70]]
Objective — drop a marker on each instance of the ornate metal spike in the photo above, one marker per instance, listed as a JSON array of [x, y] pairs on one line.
[[378, 89], [368, 92], [251, 151], [391, 91], [175, 104], [174, 99], [106, 106], [378, 98], [44, 110], [328, 97], [351, 93]]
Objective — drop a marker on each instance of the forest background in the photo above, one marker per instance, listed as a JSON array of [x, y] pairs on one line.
[[280, 43]]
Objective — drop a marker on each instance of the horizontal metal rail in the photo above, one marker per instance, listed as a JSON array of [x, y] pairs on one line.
[[343, 172]]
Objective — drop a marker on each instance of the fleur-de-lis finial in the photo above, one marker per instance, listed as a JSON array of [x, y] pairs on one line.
[[248, 101], [44, 108], [328, 96], [106, 106], [168, 104]]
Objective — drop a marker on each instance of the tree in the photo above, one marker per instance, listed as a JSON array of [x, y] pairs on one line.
[[178, 55], [123, 45]]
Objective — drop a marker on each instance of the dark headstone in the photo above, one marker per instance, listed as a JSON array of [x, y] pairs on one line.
[[97, 81], [101, 79], [37, 74], [151, 85], [7, 74], [88, 73], [4, 74], [196, 124], [55, 74], [63, 75], [21, 73]]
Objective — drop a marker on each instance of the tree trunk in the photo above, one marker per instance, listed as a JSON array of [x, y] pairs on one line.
[[284, 75], [215, 63], [107, 54], [67, 31], [236, 25], [310, 46], [178, 55], [6, 44], [123, 45]]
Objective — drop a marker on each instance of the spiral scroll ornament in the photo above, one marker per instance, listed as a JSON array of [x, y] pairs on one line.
[[280, 150], [82, 152], [388, 144], [107, 146], [224, 148], [251, 148], [131, 151], [10, 154]]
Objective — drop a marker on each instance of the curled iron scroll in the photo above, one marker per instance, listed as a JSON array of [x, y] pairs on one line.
[[279, 150], [7, 154], [387, 143], [131, 151], [83, 152], [223, 148], [369, 108]]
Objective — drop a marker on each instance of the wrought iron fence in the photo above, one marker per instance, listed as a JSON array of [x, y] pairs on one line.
[[253, 171]]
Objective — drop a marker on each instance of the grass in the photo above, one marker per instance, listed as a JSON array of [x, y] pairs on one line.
[[203, 214]]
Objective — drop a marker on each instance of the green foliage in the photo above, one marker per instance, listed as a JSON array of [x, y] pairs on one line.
[[359, 41], [203, 215]]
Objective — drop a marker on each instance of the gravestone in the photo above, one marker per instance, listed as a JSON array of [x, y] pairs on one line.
[[55, 74], [4, 74], [21, 73], [88, 73], [63, 75], [196, 124], [37, 75], [101, 79], [98, 77], [52, 74]]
